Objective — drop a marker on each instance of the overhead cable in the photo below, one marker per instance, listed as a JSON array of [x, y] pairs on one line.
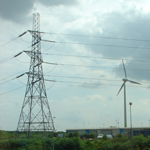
[[7, 81], [104, 17], [12, 90], [93, 36], [101, 45], [72, 83], [6, 59], [51, 70], [13, 56], [50, 86], [13, 75], [90, 66], [14, 78], [14, 39], [94, 57], [102, 37], [86, 83], [49, 47], [85, 78]]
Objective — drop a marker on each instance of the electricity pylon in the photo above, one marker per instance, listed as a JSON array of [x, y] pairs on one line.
[[35, 113]]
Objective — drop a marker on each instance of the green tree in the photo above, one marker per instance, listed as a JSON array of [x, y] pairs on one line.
[[105, 138], [70, 135], [76, 134], [92, 135], [84, 136]]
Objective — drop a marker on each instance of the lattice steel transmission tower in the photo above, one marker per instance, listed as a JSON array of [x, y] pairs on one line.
[[35, 113]]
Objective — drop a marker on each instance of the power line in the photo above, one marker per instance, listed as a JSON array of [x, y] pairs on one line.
[[98, 79], [14, 79], [7, 81], [79, 56], [21, 82], [19, 75], [81, 44], [84, 78], [51, 70], [13, 75], [93, 36], [21, 61], [14, 56], [50, 86], [74, 82], [8, 42], [101, 37], [24, 40], [6, 59], [12, 90], [81, 78], [94, 57], [108, 18], [49, 47], [101, 45], [14, 39], [90, 66]]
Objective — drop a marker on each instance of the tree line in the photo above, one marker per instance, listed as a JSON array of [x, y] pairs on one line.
[[74, 142]]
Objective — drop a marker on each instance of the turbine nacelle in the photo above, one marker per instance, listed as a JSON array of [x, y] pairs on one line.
[[125, 79]]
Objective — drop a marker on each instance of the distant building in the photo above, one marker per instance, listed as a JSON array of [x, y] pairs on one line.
[[60, 135], [113, 131]]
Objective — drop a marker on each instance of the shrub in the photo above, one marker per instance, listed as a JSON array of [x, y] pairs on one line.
[[105, 138], [70, 135], [120, 138], [92, 135], [107, 145], [73, 143], [76, 134], [89, 145], [141, 142], [84, 136]]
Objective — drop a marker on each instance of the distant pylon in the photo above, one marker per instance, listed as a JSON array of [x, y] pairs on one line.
[[35, 113]]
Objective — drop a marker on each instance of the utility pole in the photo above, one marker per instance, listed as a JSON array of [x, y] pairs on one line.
[[131, 126], [35, 113]]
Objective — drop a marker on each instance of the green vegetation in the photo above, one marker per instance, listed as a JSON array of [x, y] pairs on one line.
[[72, 142]]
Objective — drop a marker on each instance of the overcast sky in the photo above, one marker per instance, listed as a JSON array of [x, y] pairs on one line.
[[96, 36]]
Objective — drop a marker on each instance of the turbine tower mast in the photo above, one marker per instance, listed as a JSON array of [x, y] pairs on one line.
[[124, 85], [35, 113], [125, 110]]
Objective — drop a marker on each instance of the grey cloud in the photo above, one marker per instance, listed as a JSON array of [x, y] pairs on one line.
[[102, 76], [93, 85], [15, 10], [126, 28], [58, 2], [135, 70]]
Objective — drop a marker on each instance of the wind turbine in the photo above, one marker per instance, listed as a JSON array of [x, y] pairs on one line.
[[124, 85]]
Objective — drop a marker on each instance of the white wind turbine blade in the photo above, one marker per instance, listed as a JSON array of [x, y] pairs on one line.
[[133, 82], [124, 69], [121, 88]]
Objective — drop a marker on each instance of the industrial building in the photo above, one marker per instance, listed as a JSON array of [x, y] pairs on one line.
[[113, 131]]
